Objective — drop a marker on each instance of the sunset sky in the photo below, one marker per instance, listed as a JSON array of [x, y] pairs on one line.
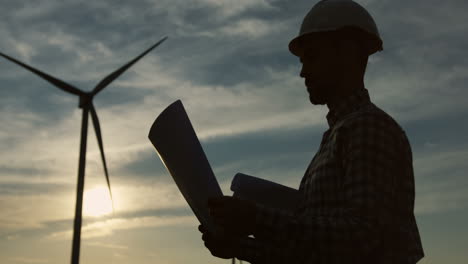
[[228, 61]]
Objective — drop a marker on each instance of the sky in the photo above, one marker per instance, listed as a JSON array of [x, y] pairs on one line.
[[229, 63]]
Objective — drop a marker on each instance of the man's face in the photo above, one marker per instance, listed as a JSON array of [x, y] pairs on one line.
[[322, 69]]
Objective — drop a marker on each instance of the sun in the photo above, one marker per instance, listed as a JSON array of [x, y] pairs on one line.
[[97, 202]]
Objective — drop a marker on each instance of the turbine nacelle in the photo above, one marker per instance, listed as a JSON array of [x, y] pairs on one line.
[[85, 99]]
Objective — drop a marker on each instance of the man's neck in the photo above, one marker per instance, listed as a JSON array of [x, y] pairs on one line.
[[344, 93]]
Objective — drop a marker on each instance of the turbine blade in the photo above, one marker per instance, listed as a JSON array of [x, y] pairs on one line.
[[111, 77], [97, 128], [56, 82]]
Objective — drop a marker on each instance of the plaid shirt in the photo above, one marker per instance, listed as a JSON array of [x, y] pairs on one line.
[[357, 197]]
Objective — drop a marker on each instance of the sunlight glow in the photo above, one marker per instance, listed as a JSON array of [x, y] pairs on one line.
[[97, 202]]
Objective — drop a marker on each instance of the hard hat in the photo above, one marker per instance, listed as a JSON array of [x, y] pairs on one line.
[[336, 15]]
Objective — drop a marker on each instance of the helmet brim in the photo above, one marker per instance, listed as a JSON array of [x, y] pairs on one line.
[[374, 43]]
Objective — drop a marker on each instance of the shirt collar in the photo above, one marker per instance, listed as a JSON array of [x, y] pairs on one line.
[[347, 105]]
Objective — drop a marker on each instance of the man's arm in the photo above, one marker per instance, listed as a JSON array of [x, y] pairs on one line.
[[369, 148]]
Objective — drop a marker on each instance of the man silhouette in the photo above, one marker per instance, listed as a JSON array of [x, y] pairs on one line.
[[357, 194]]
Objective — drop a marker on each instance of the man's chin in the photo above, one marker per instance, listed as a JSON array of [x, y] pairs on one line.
[[316, 101]]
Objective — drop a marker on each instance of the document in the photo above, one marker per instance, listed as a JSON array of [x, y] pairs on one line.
[[179, 149], [264, 192]]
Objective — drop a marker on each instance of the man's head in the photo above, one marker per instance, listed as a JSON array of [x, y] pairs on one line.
[[334, 42], [333, 64]]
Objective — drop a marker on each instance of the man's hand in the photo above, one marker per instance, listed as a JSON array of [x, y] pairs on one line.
[[222, 247], [234, 215]]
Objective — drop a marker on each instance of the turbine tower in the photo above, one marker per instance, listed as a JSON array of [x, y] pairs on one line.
[[85, 103]]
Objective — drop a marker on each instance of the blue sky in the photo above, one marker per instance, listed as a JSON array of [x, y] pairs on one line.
[[228, 62]]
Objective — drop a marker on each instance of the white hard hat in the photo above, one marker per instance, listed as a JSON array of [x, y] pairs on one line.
[[335, 15]]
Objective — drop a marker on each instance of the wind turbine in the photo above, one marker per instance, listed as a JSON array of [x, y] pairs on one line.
[[85, 103]]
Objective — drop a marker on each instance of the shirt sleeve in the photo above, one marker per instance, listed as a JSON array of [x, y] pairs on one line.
[[368, 148]]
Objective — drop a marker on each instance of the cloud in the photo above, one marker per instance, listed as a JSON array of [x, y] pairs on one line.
[[440, 181], [34, 10], [247, 29], [30, 211], [108, 227], [74, 46], [228, 8], [28, 260], [35, 209], [230, 65], [441, 200], [107, 245], [136, 198], [440, 161]]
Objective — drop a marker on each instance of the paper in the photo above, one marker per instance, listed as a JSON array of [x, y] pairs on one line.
[[180, 150], [264, 192]]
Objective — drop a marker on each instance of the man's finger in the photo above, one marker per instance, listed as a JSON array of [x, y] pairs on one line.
[[205, 237], [201, 229]]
